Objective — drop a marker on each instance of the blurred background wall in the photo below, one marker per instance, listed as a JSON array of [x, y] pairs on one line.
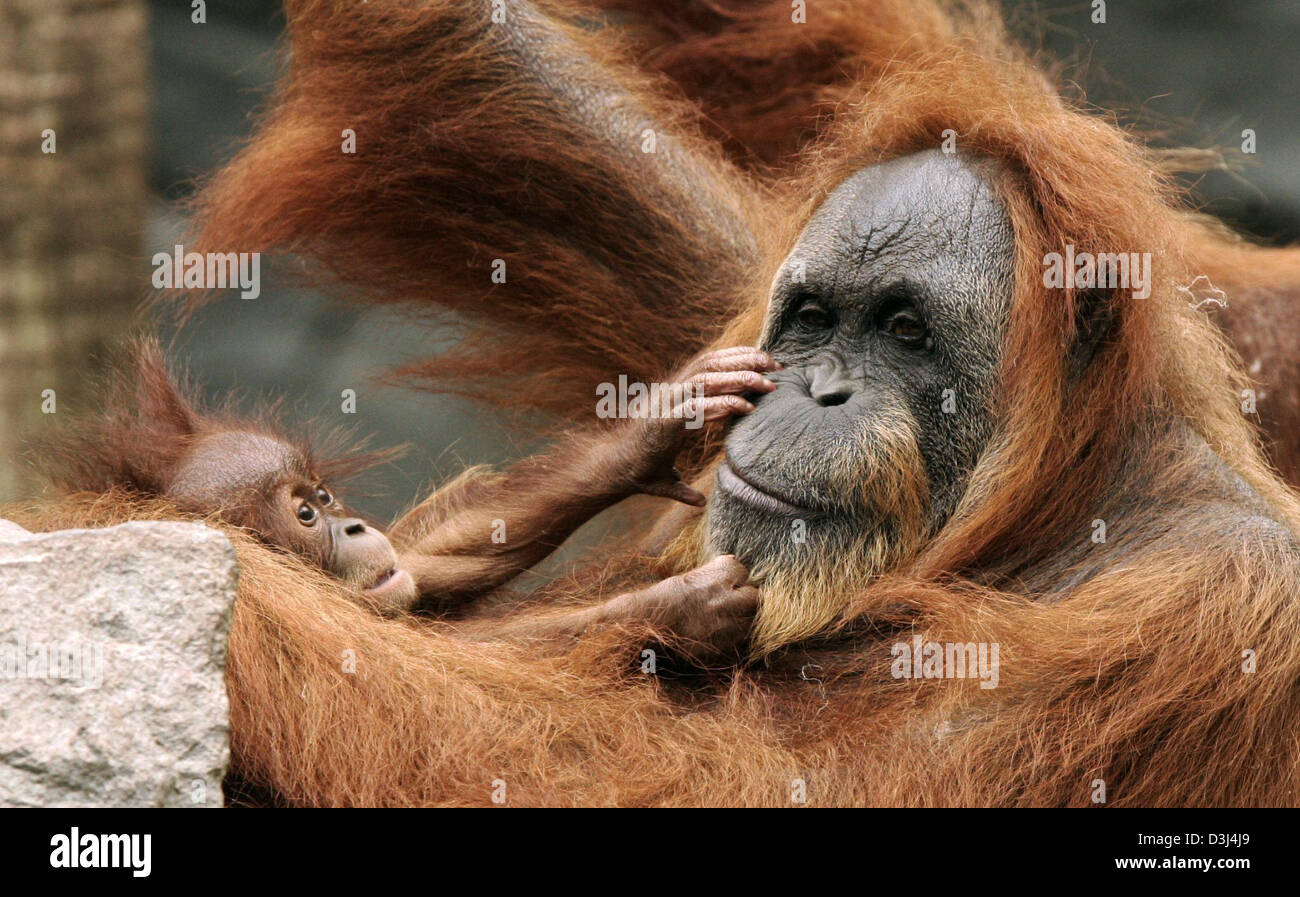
[[77, 228], [73, 201]]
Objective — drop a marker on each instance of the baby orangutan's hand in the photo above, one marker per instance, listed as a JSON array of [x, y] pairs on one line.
[[708, 611], [714, 387]]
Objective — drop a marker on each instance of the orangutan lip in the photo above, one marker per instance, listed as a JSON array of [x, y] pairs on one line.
[[731, 482], [383, 580], [394, 583]]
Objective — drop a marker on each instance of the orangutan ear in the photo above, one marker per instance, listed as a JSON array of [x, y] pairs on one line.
[[1094, 320]]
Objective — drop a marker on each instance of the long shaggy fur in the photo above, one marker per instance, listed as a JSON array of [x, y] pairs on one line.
[[1120, 661], [473, 160]]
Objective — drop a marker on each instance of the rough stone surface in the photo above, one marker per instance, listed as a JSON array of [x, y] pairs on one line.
[[112, 665], [10, 531]]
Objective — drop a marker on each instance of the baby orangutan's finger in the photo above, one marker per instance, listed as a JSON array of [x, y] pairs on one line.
[[720, 382], [737, 358], [725, 568], [707, 408]]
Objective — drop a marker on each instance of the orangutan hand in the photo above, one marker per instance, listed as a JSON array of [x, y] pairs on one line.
[[714, 386], [708, 611]]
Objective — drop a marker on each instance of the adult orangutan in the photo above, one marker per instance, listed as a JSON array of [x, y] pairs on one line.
[[765, 90], [956, 454]]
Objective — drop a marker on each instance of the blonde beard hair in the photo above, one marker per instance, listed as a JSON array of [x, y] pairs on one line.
[[802, 594]]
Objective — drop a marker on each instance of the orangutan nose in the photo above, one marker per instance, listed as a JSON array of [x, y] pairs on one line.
[[831, 383]]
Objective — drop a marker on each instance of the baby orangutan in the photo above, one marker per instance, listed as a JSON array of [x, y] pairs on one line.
[[441, 554]]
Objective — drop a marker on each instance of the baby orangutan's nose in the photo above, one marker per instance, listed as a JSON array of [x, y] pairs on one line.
[[363, 557], [344, 530], [359, 552]]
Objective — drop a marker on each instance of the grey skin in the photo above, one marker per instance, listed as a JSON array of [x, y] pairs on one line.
[[907, 279]]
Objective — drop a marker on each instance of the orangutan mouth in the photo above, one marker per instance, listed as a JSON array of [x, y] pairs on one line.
[[743, 489]]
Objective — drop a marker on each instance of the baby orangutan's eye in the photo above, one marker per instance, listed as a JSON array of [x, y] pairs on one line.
[[323, 497], [306, 514]]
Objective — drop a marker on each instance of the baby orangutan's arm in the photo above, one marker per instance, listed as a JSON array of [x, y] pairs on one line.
[[473, 536], [707, 613]]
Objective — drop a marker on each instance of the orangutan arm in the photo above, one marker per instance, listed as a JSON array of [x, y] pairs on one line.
[[705, 615], [477, 534]]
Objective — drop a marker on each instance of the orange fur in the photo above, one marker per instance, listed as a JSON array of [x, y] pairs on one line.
[[1119, 661]]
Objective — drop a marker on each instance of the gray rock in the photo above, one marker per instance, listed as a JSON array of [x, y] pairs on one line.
[[112, 665], [10, 531]]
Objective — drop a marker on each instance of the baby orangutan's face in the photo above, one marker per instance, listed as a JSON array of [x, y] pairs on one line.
[[259, 482]]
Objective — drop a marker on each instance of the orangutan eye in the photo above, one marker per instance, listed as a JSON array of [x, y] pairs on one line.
[[306, 514], [323, 497], [814, 317], [906, 326]]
